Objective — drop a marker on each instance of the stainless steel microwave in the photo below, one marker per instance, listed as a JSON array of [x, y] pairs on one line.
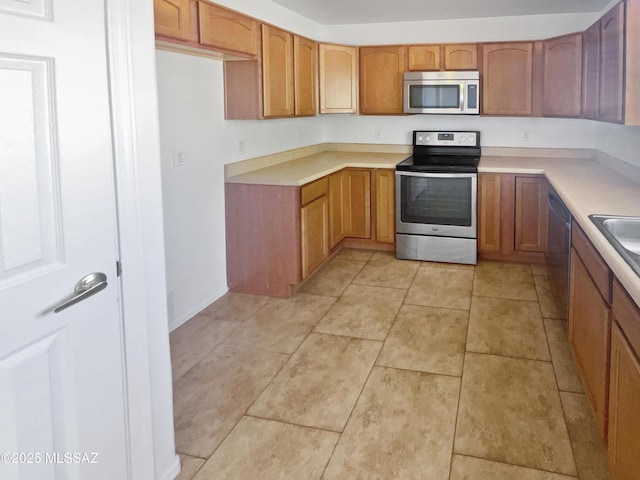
[[447, 93]]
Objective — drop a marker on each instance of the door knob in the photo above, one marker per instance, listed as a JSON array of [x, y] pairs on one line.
[[87, 286]]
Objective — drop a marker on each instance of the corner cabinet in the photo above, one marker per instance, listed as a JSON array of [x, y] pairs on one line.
[[611, 95], [512, 217], [338, 78], [277, 72], [381, 80], [349, 205], [624, 389], [590, 71], [507, 70], [562, 76]]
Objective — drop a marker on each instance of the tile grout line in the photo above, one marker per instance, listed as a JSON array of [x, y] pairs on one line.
[[464, 358], [519, 465], [370, 371]]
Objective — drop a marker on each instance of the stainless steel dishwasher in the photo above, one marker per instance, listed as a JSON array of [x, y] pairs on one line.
[[559, 251]]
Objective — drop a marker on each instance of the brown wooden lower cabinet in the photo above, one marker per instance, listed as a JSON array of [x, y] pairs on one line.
[[624, 389], [358, 204], [512, 217], [589, 335], [314, 234], [385, 206], [263, 238], [278, 235]]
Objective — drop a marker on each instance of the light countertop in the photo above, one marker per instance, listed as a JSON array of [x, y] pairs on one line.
[[587, 186], [309, 168]]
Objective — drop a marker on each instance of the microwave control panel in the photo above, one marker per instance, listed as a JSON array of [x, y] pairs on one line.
[[467, 139]]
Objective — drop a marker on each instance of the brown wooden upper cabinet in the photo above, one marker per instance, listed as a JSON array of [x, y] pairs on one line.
[[611, 96], [423, 57], [591, 71], [632, 63], [442, 57], [305, 54], [461, 57], [338, 78], [562, 76], [277, 72], [228, 30], [507, 70], [172, 18], [381, 80]]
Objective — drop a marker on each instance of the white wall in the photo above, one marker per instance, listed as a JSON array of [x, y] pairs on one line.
[[191, 107], [192, 117]]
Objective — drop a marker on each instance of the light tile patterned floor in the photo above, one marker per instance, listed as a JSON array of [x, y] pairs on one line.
[[385, 369]]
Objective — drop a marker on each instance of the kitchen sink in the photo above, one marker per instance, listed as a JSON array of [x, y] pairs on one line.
[[624, 234]]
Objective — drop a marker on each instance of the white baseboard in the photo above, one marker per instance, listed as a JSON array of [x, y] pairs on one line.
[[173, 471], [177, 321]]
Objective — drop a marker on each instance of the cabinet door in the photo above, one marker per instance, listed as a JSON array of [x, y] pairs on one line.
[[611, 64], [337, 191], [632, 63], [227, 29], [489, 212], [423, 57], [531, 215], [338, 78], [172, 18], [385, 205], [277, 72], [624, 414], [305, 54], [589, 332], [624, 391], [562, 76], [461, 57], [357, 209], [507, 70], [590, 71], [381, 80], [314, 224]]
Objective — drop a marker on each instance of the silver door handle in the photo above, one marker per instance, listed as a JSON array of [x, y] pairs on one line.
[[87, 286]]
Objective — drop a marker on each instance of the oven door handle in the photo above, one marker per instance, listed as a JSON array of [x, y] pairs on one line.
[[404, 173]]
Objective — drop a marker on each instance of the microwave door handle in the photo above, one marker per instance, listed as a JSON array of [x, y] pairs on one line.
[[462, 92]]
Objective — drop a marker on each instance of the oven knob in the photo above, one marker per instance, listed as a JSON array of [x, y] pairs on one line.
[[463, 139], [428, 139], [419, 138]]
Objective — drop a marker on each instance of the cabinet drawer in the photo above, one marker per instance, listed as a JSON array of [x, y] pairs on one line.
[[627, 315], [313, 190], [598, 269]]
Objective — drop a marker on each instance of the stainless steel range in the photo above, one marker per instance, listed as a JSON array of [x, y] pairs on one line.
[[436, 197]]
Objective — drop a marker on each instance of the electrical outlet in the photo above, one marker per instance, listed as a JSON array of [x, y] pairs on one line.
[[526, 136], [178, 157], [378, 134], [241, 146]]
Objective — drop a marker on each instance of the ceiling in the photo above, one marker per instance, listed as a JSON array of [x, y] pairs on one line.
[[336, 12]]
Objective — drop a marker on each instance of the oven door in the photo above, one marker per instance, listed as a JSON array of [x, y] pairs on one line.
[[436, 204]]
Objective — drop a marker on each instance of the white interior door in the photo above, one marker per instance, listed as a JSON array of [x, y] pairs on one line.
[[61, 374]]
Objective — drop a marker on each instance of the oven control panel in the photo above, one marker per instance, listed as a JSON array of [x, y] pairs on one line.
[[466, 139]]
